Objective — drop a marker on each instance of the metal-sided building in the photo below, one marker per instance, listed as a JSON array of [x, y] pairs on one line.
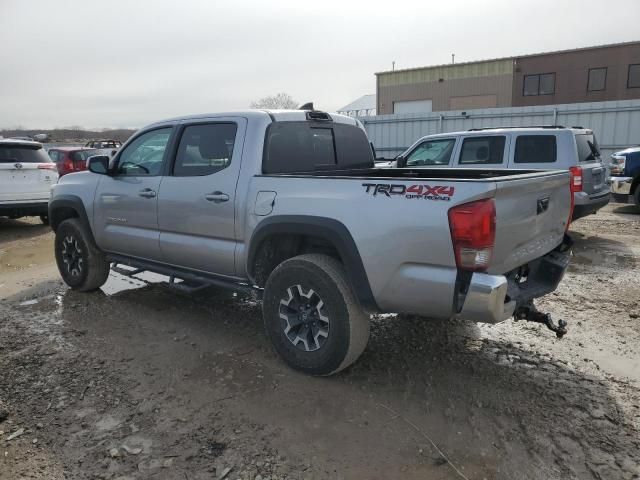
[[593, 74]]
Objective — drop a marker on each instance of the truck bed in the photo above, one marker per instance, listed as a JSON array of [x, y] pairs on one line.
[[399, 221]]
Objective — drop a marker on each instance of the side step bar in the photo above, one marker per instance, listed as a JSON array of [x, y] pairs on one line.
[[191, 281]]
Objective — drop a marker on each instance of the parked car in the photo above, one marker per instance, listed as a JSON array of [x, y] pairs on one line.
[[26, 176], [103, 144], [71, 159], [546, 147], [625, 175], [288, 205]]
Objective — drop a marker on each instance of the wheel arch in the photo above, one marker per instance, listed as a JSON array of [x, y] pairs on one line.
[[64, 207], [331, 231]]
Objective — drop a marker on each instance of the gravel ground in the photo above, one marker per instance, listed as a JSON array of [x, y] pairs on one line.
[[139, 381]]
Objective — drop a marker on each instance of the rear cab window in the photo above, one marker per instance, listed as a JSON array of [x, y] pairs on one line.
[[300, 147], [482, 150]]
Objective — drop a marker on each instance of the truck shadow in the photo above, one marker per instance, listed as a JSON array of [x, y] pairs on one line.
[[626, 209], [594, 250]]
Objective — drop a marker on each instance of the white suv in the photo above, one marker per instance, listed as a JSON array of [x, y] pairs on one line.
[[539, 148], [26, 176]]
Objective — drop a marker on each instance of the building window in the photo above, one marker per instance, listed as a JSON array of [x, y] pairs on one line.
[[633, 80], [540, 84], [597, 79]]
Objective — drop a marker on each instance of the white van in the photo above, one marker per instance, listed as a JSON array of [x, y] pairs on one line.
[[541, 148]]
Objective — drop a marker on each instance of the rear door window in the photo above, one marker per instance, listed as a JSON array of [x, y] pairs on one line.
[[205, 149], [432, 153], [487, 150], [587, 148], [536, 149]]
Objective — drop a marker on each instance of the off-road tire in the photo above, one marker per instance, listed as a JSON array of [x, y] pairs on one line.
[[348, 324], [91, 267]]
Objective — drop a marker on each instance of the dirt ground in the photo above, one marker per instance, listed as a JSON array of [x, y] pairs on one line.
[[140, 381]]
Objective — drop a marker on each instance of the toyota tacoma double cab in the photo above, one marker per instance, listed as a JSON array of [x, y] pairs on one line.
[[290, 205]]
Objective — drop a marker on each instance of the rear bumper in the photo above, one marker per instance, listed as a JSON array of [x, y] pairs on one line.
[[486, 300], [586, 205], [493, 298], [621, 189], [24, 209], [621, 185]]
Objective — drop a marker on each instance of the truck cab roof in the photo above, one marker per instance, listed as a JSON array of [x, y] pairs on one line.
[[274, 115]]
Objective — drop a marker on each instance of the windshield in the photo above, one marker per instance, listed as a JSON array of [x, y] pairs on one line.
[[433, 152], [23, 154], [587, 147]]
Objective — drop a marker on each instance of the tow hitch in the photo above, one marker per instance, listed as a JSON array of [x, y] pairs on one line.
[[530, 313]]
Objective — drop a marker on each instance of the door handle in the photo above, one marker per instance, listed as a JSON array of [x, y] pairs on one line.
[[217, 197], [147, 193]]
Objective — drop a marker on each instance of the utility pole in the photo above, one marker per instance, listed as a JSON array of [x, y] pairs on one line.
[[453, 58], [393, 65]]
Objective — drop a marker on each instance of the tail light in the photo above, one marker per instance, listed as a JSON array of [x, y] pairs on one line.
[[47, 166], [66, 166], [473, 232], [576, 179], [571, 196]]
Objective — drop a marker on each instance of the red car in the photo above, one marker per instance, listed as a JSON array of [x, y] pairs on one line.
[[72, 159]]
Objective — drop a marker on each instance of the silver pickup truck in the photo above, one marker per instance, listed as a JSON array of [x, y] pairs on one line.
[[288, 204]]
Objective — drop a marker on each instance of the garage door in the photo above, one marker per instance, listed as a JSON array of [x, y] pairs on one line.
[[413, 106]]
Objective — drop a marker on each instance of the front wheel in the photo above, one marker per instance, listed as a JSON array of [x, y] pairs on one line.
[[81, 264], [312, 316]]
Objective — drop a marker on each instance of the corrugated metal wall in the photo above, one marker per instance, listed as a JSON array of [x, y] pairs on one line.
[[616, 124]]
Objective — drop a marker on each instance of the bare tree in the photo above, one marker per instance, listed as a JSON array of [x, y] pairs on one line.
[[279, 101]]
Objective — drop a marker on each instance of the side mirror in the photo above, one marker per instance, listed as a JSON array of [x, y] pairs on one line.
[[401, 162], [98, 164]]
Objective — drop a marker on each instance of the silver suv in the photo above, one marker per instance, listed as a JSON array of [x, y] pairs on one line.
[[544, 148]]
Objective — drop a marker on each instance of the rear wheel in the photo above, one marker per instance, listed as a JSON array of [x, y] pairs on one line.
[[81, 264], [312, 316]]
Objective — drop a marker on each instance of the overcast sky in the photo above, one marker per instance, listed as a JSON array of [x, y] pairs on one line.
[[125, 63]]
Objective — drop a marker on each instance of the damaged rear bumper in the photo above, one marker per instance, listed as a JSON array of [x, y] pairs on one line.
[[494, 298]]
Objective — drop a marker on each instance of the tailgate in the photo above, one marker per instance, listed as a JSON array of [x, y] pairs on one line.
[[531, 218]]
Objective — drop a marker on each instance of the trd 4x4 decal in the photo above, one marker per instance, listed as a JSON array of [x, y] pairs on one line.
[[425, 192]]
